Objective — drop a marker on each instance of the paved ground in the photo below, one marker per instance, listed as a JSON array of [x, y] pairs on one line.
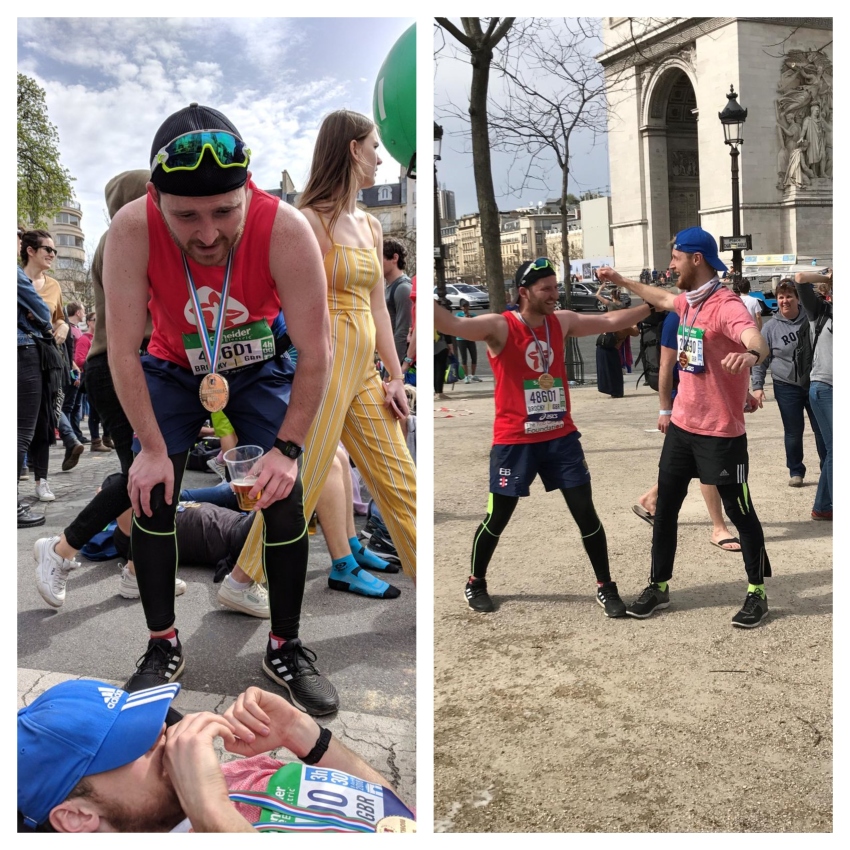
[[366, 647], [551, 718]]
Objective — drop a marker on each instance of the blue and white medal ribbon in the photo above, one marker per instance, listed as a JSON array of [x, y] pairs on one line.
[[214, 390]]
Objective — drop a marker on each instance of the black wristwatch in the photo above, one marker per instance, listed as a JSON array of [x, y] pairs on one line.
[[288, 448]]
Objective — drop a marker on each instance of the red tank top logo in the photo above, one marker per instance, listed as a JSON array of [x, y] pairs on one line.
[[532, 355], [210, 301]]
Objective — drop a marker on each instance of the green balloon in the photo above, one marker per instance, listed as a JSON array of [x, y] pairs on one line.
[[394, 103]]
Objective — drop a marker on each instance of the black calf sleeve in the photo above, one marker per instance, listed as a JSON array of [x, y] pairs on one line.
[[499, 511], [154, 544], [580, 503], [106, 506], [286, 548]]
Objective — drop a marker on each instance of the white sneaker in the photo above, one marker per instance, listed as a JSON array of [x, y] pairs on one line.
[[476, 379], [51, 571], [467, 379], [43, 491], [218, 467], [128, 587], [253, 600]]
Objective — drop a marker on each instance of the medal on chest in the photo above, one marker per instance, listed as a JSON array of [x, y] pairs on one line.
[[213, 391]]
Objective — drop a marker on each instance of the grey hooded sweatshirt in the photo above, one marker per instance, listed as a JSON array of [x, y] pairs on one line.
[[781, 337]]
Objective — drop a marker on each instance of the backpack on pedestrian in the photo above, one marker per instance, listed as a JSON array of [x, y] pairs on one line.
[[804, 353], [650, 349]]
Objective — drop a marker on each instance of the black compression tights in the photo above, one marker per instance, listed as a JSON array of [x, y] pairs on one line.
[[580, 503], [738, 506], [285, 553]]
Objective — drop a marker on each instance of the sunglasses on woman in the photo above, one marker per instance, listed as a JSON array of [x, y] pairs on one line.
[[48, 249]]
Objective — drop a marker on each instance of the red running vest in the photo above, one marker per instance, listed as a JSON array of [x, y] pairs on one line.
[[525, 413], [253, 293]]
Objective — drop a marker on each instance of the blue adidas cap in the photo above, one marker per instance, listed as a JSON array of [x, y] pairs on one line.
[[79, 728], [695, 240]]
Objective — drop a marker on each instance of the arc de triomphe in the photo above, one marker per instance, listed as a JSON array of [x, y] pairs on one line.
[[667, 80]]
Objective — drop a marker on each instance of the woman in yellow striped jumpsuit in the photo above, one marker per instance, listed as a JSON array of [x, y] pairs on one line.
[[357, 408]]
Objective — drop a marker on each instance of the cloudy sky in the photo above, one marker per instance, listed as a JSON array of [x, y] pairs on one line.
[[452, 77], [110, 82]]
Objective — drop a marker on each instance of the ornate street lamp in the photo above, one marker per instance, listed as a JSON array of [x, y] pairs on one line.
[[439, 259], [732, 118]]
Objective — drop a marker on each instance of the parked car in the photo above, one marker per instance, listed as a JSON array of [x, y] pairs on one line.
[[583, 297], [457, 292]]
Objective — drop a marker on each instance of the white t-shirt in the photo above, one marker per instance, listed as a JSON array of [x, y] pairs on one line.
[[753, 306]]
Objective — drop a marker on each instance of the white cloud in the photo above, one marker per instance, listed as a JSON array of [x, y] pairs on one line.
[[116, 79]]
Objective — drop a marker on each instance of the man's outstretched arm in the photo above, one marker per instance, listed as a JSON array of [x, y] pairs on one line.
[[491, 328], [658, 297]]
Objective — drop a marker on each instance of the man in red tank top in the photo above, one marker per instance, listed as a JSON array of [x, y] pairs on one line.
[[533, 432], [206, 245]]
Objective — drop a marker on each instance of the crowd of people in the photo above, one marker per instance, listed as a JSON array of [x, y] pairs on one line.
[[220, 308]]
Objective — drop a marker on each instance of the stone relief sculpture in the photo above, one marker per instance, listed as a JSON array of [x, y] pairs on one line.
[[804, 118]]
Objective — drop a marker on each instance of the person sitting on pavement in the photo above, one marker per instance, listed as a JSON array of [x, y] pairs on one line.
[[95, 758], [790, 380]]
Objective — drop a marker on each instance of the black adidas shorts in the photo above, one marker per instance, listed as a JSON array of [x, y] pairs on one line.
[[714, 460]]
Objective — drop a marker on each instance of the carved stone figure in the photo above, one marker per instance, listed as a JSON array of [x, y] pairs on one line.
[[814, 133], [804, 118]]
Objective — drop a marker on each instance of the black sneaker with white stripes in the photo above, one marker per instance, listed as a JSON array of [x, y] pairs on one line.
[[477, 597], [292, 667], [608, 597], [161, 664]]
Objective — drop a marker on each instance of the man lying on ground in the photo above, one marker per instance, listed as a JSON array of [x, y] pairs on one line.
[[94, 758]]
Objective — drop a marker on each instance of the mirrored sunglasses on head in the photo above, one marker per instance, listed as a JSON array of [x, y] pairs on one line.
[[539, 265], [185, 152]]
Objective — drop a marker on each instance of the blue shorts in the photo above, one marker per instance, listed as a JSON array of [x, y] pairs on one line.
[[560, 464], [259, 398]]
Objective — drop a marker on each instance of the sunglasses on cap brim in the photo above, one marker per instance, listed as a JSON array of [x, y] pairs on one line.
[[539, 265], [185, 152]]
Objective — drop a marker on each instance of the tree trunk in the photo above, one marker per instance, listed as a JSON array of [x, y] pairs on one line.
[[565, 237], [487, 207]]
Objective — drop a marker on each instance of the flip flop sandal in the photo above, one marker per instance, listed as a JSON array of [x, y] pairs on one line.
[[644, 514], [720, 544]]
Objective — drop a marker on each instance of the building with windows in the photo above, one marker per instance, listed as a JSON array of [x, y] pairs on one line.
[[393, 204], [447, 205], [70, 268]]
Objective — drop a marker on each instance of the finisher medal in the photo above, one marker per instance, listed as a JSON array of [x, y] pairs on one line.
[[214, 392], [546, 381]]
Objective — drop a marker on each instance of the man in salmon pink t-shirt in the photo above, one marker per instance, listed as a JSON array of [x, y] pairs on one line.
[[718, 344]]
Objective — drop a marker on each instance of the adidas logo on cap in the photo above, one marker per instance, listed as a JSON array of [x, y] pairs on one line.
[[111, 696]]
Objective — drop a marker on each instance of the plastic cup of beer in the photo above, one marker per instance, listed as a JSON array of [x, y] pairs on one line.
[[242, 464]]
